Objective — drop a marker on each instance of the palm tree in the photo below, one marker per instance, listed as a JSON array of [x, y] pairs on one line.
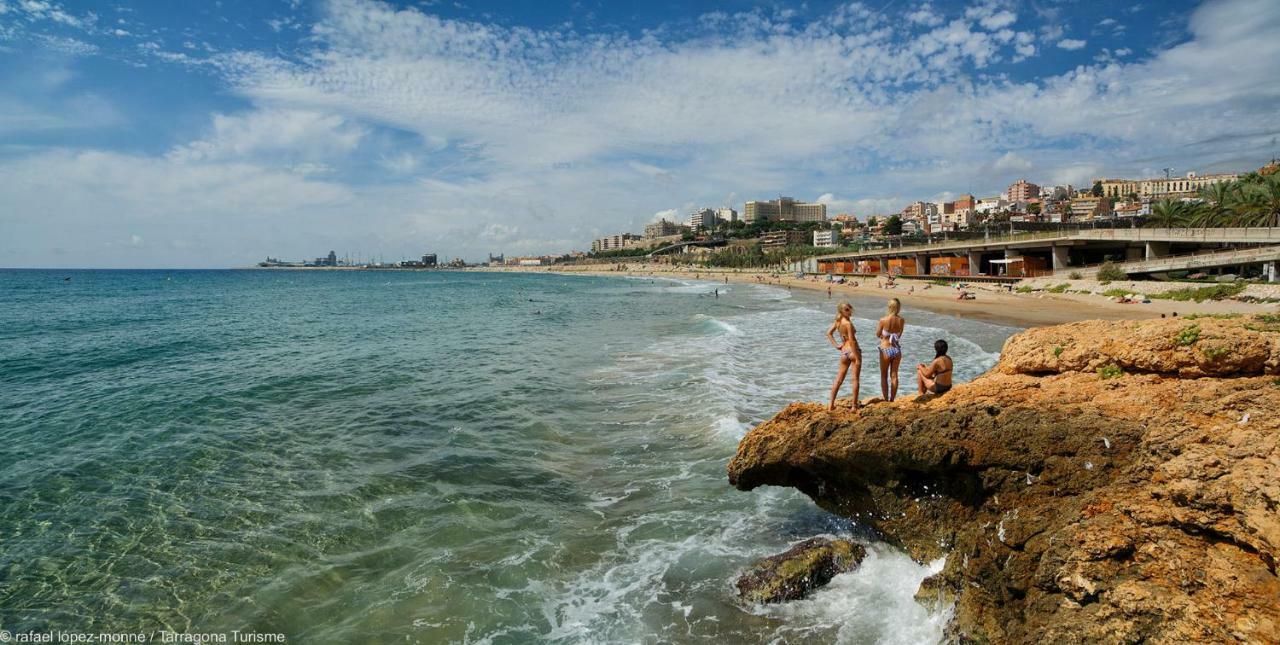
[[1220, 200], [1169, 213], [1259, 203]]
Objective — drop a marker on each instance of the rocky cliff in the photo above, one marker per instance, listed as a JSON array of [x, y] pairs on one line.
[[1107, 481]]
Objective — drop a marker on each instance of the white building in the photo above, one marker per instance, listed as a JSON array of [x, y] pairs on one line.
[[727, 215], [703, 218], [991, 205], [826, 239]]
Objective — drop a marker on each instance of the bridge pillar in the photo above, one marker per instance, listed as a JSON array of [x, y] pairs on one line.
[[922, 264], [1020, 269], [1135, 253], [975, 262], [1061, 257], [1157, 250], [1273, 272]]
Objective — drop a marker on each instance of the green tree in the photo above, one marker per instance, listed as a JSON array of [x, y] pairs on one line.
[[871, 222], [1097, 189], [1168, 213], [893, 225], [1217, 209], [1259, 203]]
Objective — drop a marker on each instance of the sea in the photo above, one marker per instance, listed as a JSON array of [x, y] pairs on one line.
[[424, 457]]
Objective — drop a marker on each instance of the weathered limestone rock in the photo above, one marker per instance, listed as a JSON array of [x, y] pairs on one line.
[[1172, 346], [1144, 506], [795, 573]]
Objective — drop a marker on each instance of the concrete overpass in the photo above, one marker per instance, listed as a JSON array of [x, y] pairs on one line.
[[1062, 252], [1267, 256], [681, 246]]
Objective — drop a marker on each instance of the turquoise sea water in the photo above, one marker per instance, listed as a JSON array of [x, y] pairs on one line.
[[420, 457]]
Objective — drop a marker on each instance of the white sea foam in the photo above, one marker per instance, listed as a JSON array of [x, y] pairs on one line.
[[720, 324], [875, 603], [722, 376]]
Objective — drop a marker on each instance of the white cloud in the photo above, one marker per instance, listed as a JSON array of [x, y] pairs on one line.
[[401, 164], [307, 133], [1071, 44], [87, 197], [1024, 45], [499, 232], [310, 168], [999, 20], [553, 136], [670, 214], [925, 15], [1010, 162]]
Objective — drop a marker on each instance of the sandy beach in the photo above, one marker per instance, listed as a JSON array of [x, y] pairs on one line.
[[993, 303]]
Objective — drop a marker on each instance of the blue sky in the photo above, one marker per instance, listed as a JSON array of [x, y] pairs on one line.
[[183, 134]]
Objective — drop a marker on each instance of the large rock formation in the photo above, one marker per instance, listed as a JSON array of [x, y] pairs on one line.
[[1107, 481], [796, 572]]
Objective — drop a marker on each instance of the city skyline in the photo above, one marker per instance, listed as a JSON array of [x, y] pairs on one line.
[[137, 136]]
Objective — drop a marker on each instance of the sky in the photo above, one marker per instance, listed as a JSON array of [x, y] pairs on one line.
[[213, 134]]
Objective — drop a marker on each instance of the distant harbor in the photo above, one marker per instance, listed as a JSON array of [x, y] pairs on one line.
[[332, 261]]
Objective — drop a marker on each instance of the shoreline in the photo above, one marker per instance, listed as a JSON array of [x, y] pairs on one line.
[[992, 304]]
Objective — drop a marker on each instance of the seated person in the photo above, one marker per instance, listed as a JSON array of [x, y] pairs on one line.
[[935, 378]]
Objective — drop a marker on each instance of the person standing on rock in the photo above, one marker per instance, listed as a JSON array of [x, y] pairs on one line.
[[889, 331], [935, 378], [850, 353]]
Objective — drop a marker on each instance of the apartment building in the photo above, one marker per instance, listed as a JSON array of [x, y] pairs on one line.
[[826, 239], [1022, 191], [1089, 207], [662, 228], [775, 240], [703, 218], [1118, 188], [615, 242], [1176, 187], [783, 209]]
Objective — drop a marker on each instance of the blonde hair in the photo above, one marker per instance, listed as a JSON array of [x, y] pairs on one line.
[[894, 306], [844, 310]]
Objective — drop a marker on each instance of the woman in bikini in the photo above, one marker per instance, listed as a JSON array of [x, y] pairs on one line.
[[889, 332], [935, 378], [850, 353]]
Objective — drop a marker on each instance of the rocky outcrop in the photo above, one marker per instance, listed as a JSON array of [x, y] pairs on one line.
[[1107, 481], [795, 573]]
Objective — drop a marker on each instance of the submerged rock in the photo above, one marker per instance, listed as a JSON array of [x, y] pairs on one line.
[[795, 573], [1074, 503]]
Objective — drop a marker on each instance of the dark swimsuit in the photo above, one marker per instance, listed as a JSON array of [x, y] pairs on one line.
[[939, 388]]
